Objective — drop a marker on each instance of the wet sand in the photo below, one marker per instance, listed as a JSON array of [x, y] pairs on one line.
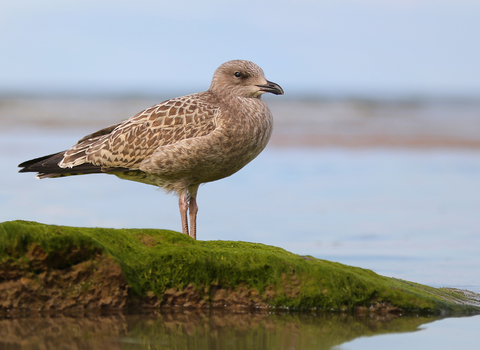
[[333, 123], [433, 124]]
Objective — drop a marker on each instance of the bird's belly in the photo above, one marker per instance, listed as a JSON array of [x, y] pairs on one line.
[[200, 160]]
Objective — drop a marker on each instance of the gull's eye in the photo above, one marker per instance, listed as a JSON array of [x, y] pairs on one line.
[[238, 74]]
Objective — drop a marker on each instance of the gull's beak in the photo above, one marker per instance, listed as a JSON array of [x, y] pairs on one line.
[[271, 87]]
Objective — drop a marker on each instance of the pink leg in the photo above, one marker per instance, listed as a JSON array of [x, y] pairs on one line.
[[183, 205], [193, 208]]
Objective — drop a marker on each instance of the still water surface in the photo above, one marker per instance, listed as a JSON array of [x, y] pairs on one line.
[[178, 330]]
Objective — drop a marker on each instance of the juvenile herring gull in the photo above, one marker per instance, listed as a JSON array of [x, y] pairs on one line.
[[180, 143]]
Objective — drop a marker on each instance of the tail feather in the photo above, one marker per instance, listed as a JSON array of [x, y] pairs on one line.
[[47, 166]]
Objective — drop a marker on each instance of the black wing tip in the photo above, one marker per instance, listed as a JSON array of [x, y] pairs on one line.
[[27, 164], [25, 170], [41, 164]]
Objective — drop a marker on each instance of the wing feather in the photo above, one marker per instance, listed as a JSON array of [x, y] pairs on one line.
[[127, 144]]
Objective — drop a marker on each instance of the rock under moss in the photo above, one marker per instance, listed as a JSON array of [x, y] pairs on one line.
[[46, 267]]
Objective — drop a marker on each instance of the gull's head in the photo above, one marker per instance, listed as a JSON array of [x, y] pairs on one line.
[[242, 78]]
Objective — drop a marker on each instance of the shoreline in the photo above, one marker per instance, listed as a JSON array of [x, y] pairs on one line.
[[330, 123], [419, 142]]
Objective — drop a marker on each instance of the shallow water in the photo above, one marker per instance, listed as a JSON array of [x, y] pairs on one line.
[[216, 329], [447, 334], [409, 213]]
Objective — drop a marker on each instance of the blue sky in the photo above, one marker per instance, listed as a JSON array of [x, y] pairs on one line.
[[346, 47]]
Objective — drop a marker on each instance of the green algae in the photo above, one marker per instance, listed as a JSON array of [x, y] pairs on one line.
[[159, 261]]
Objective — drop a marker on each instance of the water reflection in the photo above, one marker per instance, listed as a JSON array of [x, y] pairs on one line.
[[211, 329]]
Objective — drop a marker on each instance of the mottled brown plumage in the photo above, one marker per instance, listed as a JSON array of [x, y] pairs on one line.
[[180, 143]]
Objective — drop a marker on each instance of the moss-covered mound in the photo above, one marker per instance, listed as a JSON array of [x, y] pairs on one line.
[[45, 267]]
